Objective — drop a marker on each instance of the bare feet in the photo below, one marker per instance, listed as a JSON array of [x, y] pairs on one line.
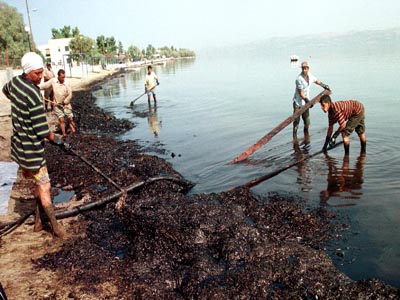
[[38, 227], [59, 232]]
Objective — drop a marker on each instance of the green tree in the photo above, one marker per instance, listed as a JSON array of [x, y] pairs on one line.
[[101, 43], [106, 44], [134, 53], [14, 40], [150, 50], [120, 48], [61, 33], [165, 51], [75, 32], [186, 53], [82, 45], [111, 45]]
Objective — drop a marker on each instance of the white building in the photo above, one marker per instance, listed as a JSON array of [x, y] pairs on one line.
[[57, 50]]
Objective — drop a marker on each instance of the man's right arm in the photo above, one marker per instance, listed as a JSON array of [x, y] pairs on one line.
[[302, 94], [6, 91], [46, 85]]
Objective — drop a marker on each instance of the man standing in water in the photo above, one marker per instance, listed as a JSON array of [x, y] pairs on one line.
[[302, 95], [30, 128], [350, 115], [62, 98], [150, 84]]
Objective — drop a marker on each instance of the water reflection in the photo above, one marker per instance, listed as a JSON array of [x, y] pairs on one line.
[[122, 80], [136, 75], [135, 78], [171, 67], [113, 88], [301, 151], [152, 119], [294, 64], [344, 182]]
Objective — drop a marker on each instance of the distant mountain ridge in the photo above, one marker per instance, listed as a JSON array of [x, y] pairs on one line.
[[360, 42]]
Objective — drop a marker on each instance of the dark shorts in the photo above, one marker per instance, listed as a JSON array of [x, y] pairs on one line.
[[356, 123], [149, 92], [305, 116]]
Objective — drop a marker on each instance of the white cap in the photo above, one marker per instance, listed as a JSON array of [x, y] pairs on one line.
[[31, 61], [305, 64]]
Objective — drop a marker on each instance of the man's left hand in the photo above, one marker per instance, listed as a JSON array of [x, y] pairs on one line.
[[325, 86], [332, 142]]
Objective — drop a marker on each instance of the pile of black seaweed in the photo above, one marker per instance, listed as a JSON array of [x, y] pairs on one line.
[[90, 118], [160, 243]]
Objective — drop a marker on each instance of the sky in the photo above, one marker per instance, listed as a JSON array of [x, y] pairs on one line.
[[198, 24]]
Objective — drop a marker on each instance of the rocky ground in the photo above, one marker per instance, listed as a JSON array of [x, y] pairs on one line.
[[160, 243]]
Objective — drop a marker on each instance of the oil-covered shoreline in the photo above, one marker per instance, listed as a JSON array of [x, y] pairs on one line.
[[159, 243], [162, 244]]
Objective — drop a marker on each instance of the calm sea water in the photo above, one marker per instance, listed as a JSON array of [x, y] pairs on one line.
[[212, 108]]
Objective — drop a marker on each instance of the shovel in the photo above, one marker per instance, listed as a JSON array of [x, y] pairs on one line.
[[137, 98]]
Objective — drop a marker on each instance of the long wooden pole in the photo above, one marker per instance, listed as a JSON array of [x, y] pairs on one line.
[[265, 177], [137, 98], [265, 139]]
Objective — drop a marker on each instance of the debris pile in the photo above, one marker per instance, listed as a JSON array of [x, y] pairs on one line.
[[160, 243]]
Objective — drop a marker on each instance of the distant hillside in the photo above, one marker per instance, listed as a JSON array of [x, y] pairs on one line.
[[360, 42]]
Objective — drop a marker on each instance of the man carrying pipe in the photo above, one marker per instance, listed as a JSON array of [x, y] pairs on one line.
[[62, 97], [350, 115], [302, 95], [30, 129]]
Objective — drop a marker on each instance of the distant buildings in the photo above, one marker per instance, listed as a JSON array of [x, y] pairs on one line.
[[57, 51]]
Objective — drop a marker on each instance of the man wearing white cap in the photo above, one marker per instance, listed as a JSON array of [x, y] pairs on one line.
[[30, 128], [302, 95]]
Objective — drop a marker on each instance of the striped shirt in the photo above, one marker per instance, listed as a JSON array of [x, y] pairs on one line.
[[29, 123], [341, 111]]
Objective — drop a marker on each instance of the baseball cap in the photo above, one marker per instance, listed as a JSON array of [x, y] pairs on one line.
[[305, 64]]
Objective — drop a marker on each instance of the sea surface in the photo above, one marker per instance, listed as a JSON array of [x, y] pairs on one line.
[[210, 109]]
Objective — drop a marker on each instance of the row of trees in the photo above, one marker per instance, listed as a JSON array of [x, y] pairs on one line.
[[14, 41], [108, 46]]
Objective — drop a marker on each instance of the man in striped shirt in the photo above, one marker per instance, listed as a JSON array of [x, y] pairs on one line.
[[30, 129], [350, 115]]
